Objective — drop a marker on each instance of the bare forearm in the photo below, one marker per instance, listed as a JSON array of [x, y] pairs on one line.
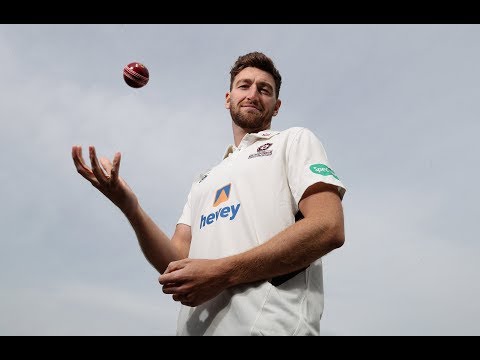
[[155, 244], [292, 249]]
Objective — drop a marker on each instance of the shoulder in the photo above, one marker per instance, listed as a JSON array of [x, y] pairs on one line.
[[297, 132], [293, 130]]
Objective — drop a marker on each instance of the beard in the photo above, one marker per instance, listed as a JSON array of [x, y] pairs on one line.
[[250, 121]]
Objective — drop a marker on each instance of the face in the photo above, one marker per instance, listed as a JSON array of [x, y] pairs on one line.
[[252, 100]]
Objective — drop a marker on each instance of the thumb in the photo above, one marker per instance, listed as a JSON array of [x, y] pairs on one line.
[[106, 164]]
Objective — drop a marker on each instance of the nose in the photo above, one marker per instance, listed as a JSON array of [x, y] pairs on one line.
[[252, 92]]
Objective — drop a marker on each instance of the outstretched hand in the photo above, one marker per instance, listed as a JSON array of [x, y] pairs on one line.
[[104, 175], [193, 281]]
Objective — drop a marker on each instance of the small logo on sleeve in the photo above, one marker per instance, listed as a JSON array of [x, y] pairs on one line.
[[322, 169]]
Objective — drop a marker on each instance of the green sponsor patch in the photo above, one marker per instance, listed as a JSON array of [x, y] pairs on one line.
[[323, 170]]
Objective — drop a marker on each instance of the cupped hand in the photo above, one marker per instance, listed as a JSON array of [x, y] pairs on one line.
[[104, 175]]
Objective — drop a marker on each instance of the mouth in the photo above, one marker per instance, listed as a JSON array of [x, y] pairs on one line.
[[250, 106]]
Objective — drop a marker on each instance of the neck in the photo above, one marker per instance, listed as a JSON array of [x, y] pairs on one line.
[[239, 133]]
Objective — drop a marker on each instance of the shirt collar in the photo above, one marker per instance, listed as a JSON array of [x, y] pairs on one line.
[[249, 139]]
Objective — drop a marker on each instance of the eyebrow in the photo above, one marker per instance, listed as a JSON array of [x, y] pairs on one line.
[[260, 83]]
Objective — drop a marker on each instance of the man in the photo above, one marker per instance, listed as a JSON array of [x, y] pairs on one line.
[[245, 258]]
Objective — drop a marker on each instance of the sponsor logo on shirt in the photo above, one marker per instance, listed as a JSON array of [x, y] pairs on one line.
[[322, 169], [262, 151], [225, 212]]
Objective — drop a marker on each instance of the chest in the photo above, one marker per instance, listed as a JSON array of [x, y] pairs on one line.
[[258, 164]]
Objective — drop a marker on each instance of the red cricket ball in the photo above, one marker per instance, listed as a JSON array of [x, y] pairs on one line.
[[135, 75]]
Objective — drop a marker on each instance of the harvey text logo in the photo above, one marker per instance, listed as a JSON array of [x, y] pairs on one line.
[[228, 212]]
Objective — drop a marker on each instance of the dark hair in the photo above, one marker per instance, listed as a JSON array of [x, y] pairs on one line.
[[260, 61]]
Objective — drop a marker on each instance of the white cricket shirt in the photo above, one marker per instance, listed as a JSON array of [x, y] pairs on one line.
[[242, 202]]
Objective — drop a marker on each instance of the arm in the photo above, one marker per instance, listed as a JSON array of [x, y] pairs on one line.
[[156, 246], [158, 249], [322, 230]]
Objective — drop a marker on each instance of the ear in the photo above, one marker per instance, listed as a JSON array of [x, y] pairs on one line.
[[277, 107], [227, 100]]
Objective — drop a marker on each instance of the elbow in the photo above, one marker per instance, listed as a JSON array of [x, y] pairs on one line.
[[336, 237], [328, 238], [337, 240]]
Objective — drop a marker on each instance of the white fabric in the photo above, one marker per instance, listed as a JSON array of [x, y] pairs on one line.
[[262, 180]]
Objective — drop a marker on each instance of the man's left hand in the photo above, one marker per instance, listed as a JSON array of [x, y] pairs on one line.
[[193, 281]]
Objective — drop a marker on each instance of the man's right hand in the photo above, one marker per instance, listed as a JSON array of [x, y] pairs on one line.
[[106, 179]]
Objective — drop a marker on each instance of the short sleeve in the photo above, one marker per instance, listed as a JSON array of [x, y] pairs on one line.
[[186, 217], [307, 164]]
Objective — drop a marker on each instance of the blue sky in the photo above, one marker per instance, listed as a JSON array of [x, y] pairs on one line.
[[396, 107]]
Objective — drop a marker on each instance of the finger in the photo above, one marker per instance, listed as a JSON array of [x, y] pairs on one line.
[[181, 297], [173, 289], [187, 300], [116, 168], [169, 276], [78, 159], [81, 167], [167, 290], [173, 278], [166, 279], [97, 170], [172, 273], [175, 265]]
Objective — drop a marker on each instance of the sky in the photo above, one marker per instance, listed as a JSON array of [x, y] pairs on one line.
[[396, 107]]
